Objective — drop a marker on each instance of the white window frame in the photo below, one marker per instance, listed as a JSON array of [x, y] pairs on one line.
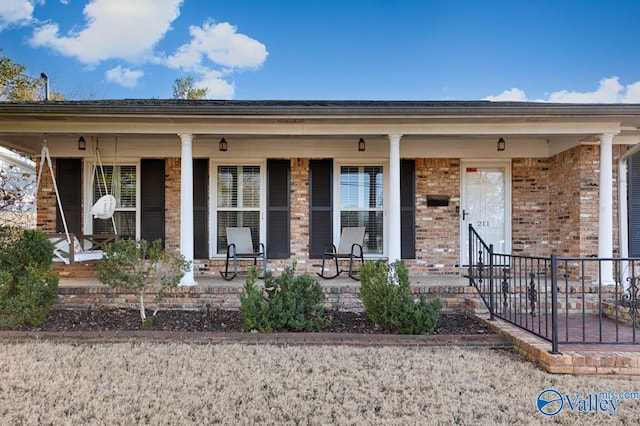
[[88, 193], [350, 162], [214, 163]]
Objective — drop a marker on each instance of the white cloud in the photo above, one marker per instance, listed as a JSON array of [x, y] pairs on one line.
[[632, 96], [125, 77], [220, 44], [514, 94], [217, 87], [213, 46], [610, 90], [15, 12], [122, 29]]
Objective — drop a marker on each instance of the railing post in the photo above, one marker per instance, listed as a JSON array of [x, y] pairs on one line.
[[491, 293], [470, 236], [554, 304]]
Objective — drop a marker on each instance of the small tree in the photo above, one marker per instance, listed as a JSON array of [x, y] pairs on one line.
[[184, 88], [142, 267]]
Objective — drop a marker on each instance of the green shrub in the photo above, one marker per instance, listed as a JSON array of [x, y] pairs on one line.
[[142, 267], [386, 294], [28, 289], [289, 302]]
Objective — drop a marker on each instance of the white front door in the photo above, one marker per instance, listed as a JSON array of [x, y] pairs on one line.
[[486, 205]]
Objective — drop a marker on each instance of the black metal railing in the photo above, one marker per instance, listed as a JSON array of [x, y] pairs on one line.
[[562, 300]]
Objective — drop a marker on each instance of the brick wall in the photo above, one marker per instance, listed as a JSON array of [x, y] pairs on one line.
[[437, 228], [564, 202], [299, 230], [530, 206], [46, 200], [172, 203]]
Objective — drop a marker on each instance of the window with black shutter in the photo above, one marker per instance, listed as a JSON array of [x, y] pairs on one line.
[[69, 181], [408, 209], [278, 209], [634, 205], [200, 209], [152, 200], [320, 206]]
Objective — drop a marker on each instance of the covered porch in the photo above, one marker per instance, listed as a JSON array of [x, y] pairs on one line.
[[420, 173]]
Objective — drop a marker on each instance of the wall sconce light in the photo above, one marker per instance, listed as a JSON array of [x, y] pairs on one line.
[[222, 145], [82, 144], [361, 145], [501, 144]]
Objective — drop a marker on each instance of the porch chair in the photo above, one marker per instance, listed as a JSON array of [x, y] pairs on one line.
[[240, 246], [350, 247]]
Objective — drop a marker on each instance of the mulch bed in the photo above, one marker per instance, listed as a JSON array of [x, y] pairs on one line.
[[216, 320]]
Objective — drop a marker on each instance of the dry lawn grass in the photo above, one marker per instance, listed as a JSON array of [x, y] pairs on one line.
[[144, 383]]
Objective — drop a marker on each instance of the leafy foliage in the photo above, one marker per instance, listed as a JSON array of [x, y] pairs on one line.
[[184, 88], [288, 302], [27, 286], [15, 86], [386, 294], [142, 267]]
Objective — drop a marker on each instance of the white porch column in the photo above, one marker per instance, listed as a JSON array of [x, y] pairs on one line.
[[605, 217], [186, 205], [394, 198]]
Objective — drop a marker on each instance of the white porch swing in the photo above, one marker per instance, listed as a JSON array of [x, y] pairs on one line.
[[67, 248]]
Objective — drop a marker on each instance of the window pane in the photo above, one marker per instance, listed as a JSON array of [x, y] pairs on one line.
[[238, 202], [227, 186], [373, 222], [125, 223], [250, 219], [121, 183], [251, 186], [349, 187], [125, 185], [99, 179], [361, 187], [127, 193], [361, 203]]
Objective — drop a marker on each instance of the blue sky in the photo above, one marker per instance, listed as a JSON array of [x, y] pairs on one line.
[[525, 50]]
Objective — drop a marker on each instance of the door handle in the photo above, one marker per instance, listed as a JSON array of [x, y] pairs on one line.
[[465, 214]]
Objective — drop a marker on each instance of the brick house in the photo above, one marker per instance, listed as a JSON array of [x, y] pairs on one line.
[[533, 178]]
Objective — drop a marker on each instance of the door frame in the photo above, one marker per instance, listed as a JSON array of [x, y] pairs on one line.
[[506, 164]]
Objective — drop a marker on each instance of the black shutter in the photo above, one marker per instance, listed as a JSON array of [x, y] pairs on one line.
[[200, 209], [634, 205], [278, 216], [69, 181], [320, 206], [152, 200], [408, 209]]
